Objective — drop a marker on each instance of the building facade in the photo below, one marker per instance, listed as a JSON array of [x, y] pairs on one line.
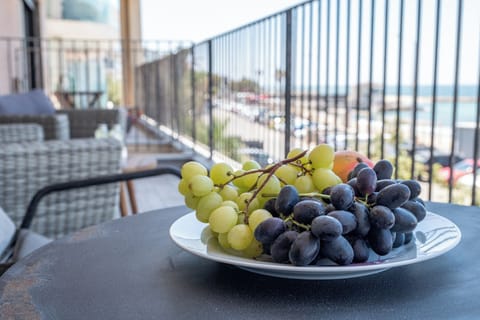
[[68, 46]]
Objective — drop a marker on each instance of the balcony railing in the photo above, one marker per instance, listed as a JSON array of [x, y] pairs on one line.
[[79, 73], [392, 79]]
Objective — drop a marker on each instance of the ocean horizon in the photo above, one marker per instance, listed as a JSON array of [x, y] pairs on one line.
[[466, 111]]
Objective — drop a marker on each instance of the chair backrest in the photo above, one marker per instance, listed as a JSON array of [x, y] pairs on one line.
[[27, 167], [28, 132], [84, 122], [55, 127]]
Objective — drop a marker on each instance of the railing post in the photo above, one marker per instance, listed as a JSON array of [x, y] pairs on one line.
[[176, 112], [194, 125], [455, 99], [288, 80], [210, 104]]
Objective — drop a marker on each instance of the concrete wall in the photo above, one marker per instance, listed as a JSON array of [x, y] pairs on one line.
[[11, 25], [465, 140], [70, 29]]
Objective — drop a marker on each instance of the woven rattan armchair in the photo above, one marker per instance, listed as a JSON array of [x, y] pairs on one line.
[[11, 133], [71, 124], [25, 168]]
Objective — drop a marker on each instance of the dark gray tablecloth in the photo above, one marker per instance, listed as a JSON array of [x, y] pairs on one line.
[[130, 269]]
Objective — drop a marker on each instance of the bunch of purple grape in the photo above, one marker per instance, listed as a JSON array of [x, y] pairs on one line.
[[345, 222]]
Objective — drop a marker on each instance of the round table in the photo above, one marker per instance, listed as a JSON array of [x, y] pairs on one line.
[[130, 269]]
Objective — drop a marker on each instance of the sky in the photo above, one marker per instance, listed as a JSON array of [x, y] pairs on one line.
[[198, 20]]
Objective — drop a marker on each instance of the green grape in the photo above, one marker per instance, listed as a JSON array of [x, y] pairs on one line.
[[253, 250], [251, 179], [242, 202], [206, 205], [287, 174], [239, 182], [324, 178], [230, 203], [193, 168], [183, 187], [228, 192], [241, 218], [220, 173], [222, 219], [304, 184], [254, 205], [200, 185], [223, 241], [191, 201], [321, 156], [240, 237], [251, 165], [262, 201], [295, 152], [257, 217], [272, 186]]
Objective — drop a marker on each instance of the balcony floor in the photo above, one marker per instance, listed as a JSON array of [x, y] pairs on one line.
[[155, 192]]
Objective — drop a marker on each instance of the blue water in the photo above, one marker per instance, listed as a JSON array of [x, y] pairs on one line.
[[466, 112], [427, 91]]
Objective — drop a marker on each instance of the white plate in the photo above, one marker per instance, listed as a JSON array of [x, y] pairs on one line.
[[434, 236]]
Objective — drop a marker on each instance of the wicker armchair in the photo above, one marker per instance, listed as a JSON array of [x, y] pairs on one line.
[[25, 168], [84, 122], [54, 126], [71, 124], [11, 133]]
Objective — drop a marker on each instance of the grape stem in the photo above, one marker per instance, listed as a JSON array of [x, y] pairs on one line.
[[304, 226], [267, 170], [271, 170], [310, 194]]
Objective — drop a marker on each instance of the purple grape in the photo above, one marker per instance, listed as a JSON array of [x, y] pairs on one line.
[[304, 249], [416, 208], [414, 186], [366, 181], [287, 198], [383, 169], [356, 169], [380, 240], [281, 246], [346, 218], [326, 228], [342, 196], [363, 221], [382, 217], [339, 251], [393, 196], [405, 221], [267, 231]]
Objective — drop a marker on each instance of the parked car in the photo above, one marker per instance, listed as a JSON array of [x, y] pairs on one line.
[[460, 169], [439, 159], [467, 180]]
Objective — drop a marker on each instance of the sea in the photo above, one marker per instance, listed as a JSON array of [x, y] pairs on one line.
[[466, 111]]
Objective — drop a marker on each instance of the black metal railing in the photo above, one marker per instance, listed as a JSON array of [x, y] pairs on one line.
[[79, 73], [392, 79]]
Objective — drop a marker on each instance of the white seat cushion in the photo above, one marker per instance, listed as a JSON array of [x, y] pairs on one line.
[[7, 231], [27, 242]]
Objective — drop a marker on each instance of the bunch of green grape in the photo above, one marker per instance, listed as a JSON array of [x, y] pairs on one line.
[[232, 201]]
